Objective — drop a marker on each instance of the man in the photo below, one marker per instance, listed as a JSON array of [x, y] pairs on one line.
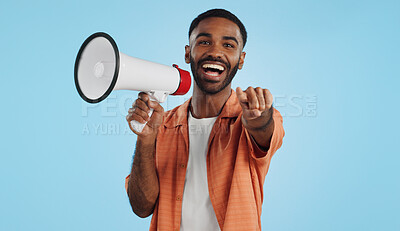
[[202, 165]]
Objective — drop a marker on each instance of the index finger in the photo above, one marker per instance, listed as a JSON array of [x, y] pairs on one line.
[[242, 97], [144, 96]]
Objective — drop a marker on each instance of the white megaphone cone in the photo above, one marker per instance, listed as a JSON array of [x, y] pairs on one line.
[[100, 68]]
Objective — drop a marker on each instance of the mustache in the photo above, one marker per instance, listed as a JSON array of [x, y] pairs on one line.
[[213, 59]]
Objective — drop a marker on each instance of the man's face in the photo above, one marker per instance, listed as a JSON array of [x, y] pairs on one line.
[[215, 53]]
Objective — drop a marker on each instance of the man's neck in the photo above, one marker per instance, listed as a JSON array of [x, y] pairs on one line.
[[205, 105]]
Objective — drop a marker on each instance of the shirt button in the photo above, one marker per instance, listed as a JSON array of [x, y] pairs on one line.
[[182, 165], [178, 198]]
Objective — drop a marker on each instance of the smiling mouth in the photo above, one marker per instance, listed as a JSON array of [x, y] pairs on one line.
[[213, 70]]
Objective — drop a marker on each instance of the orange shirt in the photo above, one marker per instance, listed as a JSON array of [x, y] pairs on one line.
[[236, 168]]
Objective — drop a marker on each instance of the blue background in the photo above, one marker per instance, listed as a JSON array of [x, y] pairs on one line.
[[332, 66]]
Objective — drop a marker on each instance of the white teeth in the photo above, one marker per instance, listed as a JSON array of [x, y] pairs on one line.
[[214, 66], [213, 74]]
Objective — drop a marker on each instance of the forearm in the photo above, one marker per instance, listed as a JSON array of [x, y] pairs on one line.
[[143, 186], [261, 129]]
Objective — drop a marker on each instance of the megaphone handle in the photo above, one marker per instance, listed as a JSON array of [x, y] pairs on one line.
[[138, 127], [158, 96]]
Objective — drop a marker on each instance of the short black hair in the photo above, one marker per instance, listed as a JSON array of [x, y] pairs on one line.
[[221, 13]]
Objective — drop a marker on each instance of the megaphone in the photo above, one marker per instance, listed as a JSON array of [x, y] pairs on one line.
[[100, 68]]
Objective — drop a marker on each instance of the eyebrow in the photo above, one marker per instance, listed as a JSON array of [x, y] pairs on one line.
[[224, 37], [203, 34], [230, 38]]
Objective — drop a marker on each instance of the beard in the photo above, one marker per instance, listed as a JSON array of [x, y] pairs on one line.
[[211, 91]]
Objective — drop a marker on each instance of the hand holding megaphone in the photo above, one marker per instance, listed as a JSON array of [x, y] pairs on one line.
[[145, 110]]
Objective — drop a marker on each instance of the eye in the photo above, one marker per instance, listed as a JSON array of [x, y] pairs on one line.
[[204, 42], [229, 45]]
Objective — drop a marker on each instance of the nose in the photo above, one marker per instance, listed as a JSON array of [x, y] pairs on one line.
[[215, 52]]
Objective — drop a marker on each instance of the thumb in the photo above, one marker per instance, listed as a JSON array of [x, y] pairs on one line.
[[157, 116]]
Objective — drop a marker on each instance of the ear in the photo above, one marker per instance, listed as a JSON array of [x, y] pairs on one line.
[[187, 54], [241, 60]]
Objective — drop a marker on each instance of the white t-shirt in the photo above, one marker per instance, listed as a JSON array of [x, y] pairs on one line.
[[197, 211]]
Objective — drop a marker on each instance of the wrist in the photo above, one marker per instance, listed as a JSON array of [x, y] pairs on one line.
[[146, 141]]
